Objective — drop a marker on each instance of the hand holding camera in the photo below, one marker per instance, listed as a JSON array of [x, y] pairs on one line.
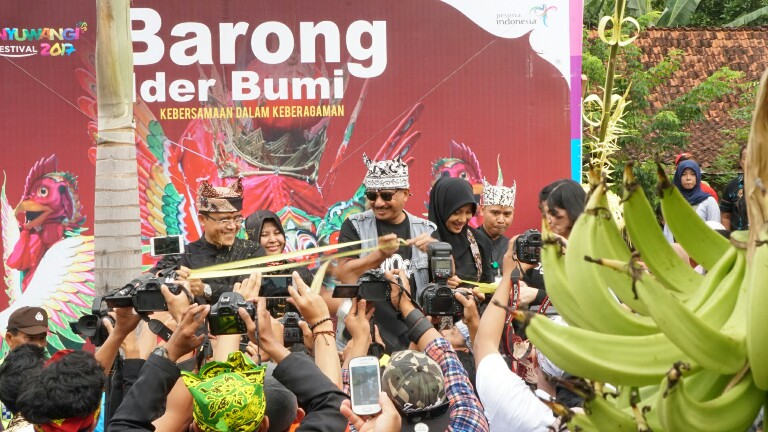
[[249, 287], [185, 337], [267, 338], [310, 305]]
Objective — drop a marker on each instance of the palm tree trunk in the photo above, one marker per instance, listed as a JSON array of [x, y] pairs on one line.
[[117, 224]]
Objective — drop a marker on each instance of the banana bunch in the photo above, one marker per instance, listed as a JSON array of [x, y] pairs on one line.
[[685, 352]]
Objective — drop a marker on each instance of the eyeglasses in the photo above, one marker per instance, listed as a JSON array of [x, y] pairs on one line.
[[238, 221], [416, 416], [385, 196]]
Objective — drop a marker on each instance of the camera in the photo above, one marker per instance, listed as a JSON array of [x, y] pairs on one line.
[[92, 326], [224, 319], [437, 298], [292, 333], [143, 293], [374, 286], [528, 247]]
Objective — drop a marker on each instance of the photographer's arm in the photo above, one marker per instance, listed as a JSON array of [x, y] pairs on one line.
[[492, 322], [316, 314], [126, 321], [350, 270]]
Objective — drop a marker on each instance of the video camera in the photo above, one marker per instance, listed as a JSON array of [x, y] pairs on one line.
[[223, 319], [143, 293], [92, 325], [437, 298], [528, 247]]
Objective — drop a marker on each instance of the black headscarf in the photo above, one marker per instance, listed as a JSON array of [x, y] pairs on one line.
[[693, 196], [447, 195], [255, 222]]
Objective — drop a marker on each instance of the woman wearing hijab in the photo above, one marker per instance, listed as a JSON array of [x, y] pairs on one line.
[[451, 206], [265, 227], [687, 179]]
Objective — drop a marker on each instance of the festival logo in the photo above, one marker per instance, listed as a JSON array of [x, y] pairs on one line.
[[44, 41], [542, 11]]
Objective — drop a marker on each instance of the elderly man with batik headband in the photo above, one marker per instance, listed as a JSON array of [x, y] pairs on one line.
[[219, 212], [387, 189]]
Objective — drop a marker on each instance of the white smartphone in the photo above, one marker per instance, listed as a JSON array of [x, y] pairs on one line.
[[365, 384], [170, 245]]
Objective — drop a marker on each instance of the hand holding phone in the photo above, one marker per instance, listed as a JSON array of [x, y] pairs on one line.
[[365, 385]]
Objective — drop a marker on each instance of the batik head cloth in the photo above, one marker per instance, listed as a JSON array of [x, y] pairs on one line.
[[228, 396], [386, 174], [214, 199]]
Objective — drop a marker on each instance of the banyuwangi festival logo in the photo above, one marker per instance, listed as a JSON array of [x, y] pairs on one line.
[[44, 41]]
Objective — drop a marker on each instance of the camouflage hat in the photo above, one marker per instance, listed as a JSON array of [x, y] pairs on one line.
[[413, 381], [228, 396]]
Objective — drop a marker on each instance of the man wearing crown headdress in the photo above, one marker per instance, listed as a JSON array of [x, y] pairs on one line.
[[219, 212], [498, 210], [387, 189]]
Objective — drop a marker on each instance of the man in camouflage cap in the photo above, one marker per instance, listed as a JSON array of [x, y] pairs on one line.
[[414, 382]]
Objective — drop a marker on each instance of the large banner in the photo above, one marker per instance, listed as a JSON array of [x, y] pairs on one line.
[[288, 95]]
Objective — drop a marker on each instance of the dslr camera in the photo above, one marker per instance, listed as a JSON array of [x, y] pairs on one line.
[[528, 247], [223, 319], [291, 331], [374, 286], [143, 293], [437, 299]]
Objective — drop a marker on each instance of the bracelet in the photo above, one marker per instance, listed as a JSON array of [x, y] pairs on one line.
[[326, 319], [324, 333], [413, 318], [418, 330]]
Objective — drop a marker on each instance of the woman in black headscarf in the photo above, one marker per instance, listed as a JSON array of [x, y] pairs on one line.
[[451, 206], [264, 227]]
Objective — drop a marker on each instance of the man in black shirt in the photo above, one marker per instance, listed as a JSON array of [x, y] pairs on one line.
[[387, 190], [220, 215]]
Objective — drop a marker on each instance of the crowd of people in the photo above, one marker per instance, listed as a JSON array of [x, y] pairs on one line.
[[457, 369]]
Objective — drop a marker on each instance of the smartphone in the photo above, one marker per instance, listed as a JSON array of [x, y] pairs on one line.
[[275, 286], [365, 385], [345, 291], [169, 245]]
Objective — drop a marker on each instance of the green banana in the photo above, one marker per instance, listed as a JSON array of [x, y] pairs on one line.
[[558, 287], [648, 239], [702, 243], [715, 308], [581, 422], [712, 280], [733, 410], [607, 417], [616, 359], [700, 338], [757, 298], [595, 298]]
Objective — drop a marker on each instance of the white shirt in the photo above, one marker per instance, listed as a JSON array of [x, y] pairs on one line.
[[509, 404]]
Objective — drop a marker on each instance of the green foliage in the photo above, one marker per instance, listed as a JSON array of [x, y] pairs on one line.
[[677, 13], [725, 12]]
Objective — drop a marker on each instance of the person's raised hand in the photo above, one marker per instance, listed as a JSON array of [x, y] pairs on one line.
[[388, 244], [387, 420], [267, 338], [249, 288], [527, 294], [177, 303], [311, 305], [400, 300], [185, 337], [126, 321], [421, 241], [467, 299], [358, 320]]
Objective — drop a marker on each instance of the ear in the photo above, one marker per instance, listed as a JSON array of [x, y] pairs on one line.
[[264, 425], [300, 414], [8, 337]]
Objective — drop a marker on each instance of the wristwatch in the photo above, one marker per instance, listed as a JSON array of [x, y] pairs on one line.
[[161, 351], [207, 291]]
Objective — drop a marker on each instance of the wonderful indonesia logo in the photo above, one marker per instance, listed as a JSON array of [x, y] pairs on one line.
[[44, 41]]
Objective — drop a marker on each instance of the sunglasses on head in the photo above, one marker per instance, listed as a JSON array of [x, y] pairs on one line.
[[386, 196]]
